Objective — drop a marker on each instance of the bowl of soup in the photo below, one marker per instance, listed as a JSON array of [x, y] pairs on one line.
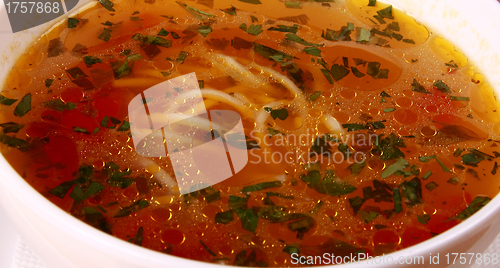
[[251, 133]]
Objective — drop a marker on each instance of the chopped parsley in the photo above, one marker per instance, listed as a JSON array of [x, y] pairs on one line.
[[105, 35], [90, 60], [441, 86], [6, 101], [284, 28], [204, 30], [417, 87], [254, 29], [386, 13], [72, 22], [400, 164], [474, 206], [137, 205], [24, 106], [261, 186], [329, 184], [231, 11], [152, 40], [11, 127], [224, 217], [14, 142], [107, 4], [281, 114]]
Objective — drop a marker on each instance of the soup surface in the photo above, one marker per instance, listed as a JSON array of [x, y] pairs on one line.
[[363, 132]]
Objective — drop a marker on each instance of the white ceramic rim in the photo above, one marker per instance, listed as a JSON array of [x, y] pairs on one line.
[[484, 11]]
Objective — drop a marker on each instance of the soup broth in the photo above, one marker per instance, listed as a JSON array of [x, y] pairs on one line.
[[364, 133]]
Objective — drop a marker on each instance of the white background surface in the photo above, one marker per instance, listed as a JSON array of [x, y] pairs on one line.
[[15, 254]]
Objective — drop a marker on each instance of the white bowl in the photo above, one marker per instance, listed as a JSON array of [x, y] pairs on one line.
[[60, 240]]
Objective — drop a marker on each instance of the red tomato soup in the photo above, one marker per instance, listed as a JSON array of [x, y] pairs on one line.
[[363, 132]]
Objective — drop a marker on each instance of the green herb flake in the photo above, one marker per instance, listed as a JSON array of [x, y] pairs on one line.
[[364, 35], [284, 28], [291, 249], [224, 217], [261, 186], [253, 29], [6, 101], [196, 12], [389, 110], [80, 130], [441, 86], [412, 191], [273, 132], [254, 19], [398, 206], [427, 175], [153, 40], [357, 72], [231, 11], [139, 236], [386, 13], [493, 171], [78, 195], [409, 41], [338, 72], [125, 126], [400, 164], [312, 51], [453, 180], [458, 152], [417, 87], [327, 75], [24, 106], [107, 4], [253, 2], [328, 185], [121, 69], [431, 186], [367, 216], [384, 95], [423, 219], [14, 142], [207, 249], [281, 114], [474, 206], [292, 4], [372, 3], [204, 30], [458, 98], [163, 32], [426, 158], [105, 35], [315, 96], [389, 147], [59, 105], [268, 52], [356, 168], [213, 197], [137, 205], [90, 60], [72, 22], [237, 201], [11, 127], [248, 218], [443, 166], [375, 72]]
